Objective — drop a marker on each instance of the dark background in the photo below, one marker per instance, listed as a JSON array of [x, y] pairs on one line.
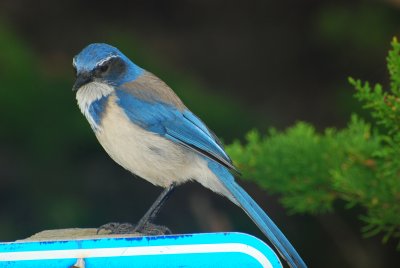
[[237, 64]]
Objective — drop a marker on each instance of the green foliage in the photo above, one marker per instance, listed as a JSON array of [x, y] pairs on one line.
[[300, 163], [357, 164]]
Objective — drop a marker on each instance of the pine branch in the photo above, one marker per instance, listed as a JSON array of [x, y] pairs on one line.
[[359, 164]]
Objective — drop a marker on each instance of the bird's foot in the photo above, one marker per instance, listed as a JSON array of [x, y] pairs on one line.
[[128, 228], [117, 228], [154, 229]]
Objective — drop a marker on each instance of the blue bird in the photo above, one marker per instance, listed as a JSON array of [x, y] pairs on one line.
[[144, 126]]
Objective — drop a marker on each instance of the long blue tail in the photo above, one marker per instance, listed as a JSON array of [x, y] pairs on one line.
[[260, 218]]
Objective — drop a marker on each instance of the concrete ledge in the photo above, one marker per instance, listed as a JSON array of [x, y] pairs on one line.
[[73, 233]]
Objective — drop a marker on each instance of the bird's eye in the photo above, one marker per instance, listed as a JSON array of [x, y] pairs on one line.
[[104, 67]]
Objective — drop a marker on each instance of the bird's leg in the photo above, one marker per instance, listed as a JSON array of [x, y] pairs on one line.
[[155, 208], [144, 226]]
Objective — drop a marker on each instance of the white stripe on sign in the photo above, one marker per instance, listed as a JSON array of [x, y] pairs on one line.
[[136, 251]]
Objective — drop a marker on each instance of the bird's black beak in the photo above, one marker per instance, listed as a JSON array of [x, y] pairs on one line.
[[81, 79]]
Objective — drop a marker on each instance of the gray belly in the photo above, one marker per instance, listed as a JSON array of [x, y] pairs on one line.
[[143, 153]]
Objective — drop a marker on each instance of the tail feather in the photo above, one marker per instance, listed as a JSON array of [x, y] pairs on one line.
[[267, 226], [259, 217]]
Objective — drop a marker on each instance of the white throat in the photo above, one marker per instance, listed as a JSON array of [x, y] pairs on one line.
[[89, 93]]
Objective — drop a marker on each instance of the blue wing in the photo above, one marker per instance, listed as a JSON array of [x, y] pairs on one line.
[[180, 126]]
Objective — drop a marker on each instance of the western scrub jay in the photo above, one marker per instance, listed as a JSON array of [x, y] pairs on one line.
[[144, 126]]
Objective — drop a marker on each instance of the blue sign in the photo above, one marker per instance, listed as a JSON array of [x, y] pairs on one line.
[[189, 250]]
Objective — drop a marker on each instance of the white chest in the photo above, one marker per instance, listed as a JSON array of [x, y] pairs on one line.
[[89, 93]]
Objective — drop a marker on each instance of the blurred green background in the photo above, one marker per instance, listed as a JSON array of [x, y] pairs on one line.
[[237, 64]]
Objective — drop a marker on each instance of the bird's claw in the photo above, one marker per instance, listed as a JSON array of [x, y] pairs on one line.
[[117, 228], [128, 228]]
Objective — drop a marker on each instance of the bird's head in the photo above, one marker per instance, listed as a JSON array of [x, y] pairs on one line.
[[103, 63]]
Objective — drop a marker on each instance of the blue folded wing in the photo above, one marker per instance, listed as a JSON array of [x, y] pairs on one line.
[[182, 127]]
